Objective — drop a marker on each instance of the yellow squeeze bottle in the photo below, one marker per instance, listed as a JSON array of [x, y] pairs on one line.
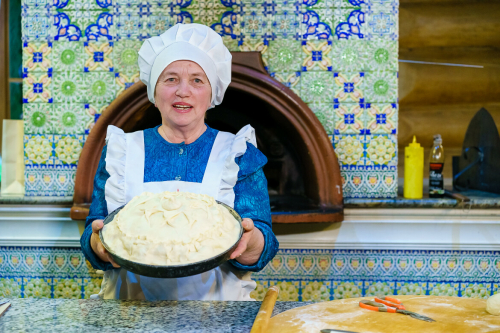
[[414, 171]]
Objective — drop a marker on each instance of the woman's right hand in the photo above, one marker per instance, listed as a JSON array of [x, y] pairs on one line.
[[97, 247]]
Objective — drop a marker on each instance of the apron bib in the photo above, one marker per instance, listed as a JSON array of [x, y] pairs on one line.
[[125, 163]]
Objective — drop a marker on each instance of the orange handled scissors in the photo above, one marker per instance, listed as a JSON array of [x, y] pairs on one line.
[[382, 307]]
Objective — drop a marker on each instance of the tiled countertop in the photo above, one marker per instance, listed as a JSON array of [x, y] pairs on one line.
[[60, 315], [479, 200]]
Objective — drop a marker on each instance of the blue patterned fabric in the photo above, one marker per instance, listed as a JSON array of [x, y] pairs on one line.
[[166, 161]]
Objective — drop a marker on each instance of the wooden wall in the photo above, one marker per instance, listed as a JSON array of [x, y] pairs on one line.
[[440, 99]]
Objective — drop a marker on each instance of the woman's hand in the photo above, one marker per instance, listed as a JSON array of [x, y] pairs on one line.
[[250, 246], [97, 247]]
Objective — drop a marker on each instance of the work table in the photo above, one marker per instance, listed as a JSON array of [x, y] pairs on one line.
[[65, 315]]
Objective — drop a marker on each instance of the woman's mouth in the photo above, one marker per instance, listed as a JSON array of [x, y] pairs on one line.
[[182, 107]]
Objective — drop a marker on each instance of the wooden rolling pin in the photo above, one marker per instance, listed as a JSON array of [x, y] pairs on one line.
[[4, 308], [265, 311]]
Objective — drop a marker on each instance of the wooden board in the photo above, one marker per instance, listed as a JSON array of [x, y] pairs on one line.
[[452, 314]]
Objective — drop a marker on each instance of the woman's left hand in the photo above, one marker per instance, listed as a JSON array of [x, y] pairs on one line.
[[250, 246]]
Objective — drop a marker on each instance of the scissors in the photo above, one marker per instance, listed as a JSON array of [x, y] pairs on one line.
[[392, 305]]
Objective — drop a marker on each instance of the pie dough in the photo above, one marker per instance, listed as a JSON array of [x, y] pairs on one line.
[[493, 305], [171, 228]]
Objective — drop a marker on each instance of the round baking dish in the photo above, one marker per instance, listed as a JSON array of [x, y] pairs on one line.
[[172, 271]]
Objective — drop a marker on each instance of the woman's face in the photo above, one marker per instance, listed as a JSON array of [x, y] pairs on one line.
[[183, 94]]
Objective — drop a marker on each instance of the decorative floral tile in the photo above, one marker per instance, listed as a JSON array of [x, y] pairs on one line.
[[289, 79], [381, 23], [325, 114], [158, 22], [285, 24], [347, 289], [54, 34], [37, 26], [350, 150], [39, 149], [475, 290], [68, 288], [93, 111], [37, 87], [99, 56], [254, 25], [443, 289], [381, 55], [317, 55], [69, 87], [281, 56], [93, 287], [83, 5], [317, 87], [126, 56], [36, 5], [411, 288], [248, 44], [260, 291], [379, 288], [316, 291], [124, 82], [496, 288], [68, 56], [381, 150], [70, 118], [350, 55], [349, 23], [348, 3], [67, 149], [37, 288], [11, 287], [37, 57], [381, 118], [304, 275], [289, 290], [231, 43], [207, 12], [38, 118], [128, 26], [100, 87], [49, 181], [381, 87], [349, 87], [317, 26], [349, 118]]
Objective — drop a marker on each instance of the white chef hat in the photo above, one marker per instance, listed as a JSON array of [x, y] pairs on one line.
[[194, 42]]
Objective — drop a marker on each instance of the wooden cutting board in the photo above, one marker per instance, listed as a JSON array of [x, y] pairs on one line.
[[452, 314]]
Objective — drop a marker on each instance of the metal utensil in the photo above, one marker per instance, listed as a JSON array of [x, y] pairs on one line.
[[376, 306], [3, 301], [332, 330], [172, 271]]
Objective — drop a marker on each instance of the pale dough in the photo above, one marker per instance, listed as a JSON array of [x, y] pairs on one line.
[[171, 228], [493, 305]]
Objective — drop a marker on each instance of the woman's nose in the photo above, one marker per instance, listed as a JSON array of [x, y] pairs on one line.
[[183, 89]]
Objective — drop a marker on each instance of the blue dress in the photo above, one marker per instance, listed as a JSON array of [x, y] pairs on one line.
[[165, 161]]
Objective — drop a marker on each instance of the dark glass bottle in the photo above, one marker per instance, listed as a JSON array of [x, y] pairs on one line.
[[436, 184]]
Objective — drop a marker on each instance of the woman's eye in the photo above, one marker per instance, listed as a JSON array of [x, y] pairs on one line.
[[197, 80], [171, 79]]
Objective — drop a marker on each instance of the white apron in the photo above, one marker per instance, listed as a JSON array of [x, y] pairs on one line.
[[125, 164]]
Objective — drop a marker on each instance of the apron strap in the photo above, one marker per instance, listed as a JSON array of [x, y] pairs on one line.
[[216, 164]]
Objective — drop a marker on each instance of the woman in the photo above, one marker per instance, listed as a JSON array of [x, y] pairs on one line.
[[186, 70]]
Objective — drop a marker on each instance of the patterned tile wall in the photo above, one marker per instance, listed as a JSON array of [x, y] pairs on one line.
[[306, 275], [339, 56]]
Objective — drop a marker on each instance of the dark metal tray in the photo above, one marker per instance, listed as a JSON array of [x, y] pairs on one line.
[[172, 271]]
